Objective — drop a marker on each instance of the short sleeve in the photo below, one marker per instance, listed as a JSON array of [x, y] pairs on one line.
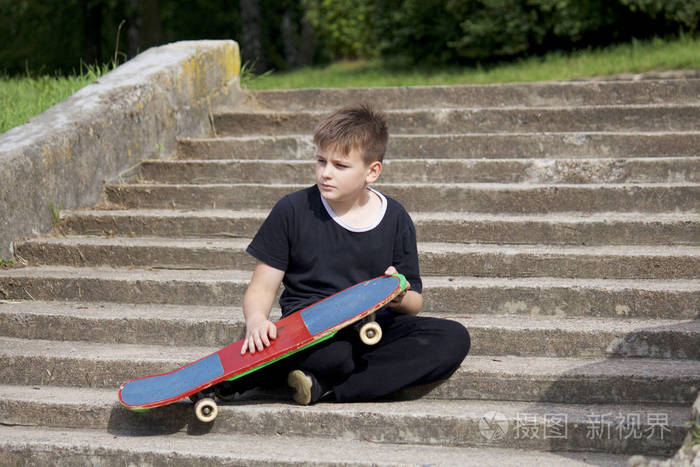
[[406, 253], [272, 242]]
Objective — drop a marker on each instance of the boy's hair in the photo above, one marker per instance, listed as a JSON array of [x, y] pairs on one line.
[[354, 127]]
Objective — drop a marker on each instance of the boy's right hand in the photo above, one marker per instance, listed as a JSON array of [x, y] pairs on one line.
[[258, 335]]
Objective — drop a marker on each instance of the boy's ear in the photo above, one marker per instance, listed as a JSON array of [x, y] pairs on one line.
[[374, 170]]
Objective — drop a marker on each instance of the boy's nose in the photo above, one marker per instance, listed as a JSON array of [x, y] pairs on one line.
[[326, 171]]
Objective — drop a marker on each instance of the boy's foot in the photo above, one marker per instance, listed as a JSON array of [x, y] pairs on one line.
[[307, 389]]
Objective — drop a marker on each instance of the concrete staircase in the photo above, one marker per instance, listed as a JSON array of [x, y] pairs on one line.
[[558, 222]]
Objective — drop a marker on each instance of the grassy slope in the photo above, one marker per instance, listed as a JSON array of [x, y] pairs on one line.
[[636, 57], [23, 98]]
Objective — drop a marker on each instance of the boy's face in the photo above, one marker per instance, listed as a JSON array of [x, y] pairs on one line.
[[344, 177]]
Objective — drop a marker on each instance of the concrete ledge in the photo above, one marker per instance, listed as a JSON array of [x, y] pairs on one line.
[[130, 114]]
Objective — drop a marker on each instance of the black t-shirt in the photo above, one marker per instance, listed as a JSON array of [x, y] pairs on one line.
[[320, 256]]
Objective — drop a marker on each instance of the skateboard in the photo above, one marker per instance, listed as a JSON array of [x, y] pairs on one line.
[[296, 332]]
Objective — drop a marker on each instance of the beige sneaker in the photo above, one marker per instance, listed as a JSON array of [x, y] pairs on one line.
[[307, 389]]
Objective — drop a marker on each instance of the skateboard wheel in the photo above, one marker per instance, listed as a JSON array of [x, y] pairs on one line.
[[370, 333], [206, 410]]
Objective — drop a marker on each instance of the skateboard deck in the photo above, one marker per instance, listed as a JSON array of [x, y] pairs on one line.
[[295, 332]]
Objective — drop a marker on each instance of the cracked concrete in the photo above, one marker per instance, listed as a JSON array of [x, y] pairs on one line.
[[131, 114]]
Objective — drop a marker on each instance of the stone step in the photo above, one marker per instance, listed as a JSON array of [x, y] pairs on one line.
[[31, 446], [565, 145], [217, 223], [527, 379], [641, 298], [427, 197], [568, 171], [616, 262], [681, 117], [612, 428], [606, 228], [125, 285], [679, 91], [544, 336], [613, 262], [125, 323]]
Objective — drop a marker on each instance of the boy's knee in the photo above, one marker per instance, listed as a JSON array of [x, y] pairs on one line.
[[454, 341]]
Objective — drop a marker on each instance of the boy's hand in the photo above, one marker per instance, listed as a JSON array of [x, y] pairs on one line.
[[257, 301], [396, 302], [258, 335]]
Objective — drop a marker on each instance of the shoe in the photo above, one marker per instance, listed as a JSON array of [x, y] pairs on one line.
[[307, 389]]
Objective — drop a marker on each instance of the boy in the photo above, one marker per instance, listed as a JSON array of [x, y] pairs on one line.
[[328, 237]]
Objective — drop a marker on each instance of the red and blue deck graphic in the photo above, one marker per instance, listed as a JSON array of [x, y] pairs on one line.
[[294, 332]]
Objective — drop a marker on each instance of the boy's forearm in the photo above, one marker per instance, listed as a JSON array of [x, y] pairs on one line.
[[261, 292], [257, 304], [411, 304]]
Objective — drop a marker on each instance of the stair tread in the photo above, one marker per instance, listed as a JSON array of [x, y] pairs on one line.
[[505, 134], [232, 275], [432, 161], [484, 186], [414, 409], [281, 449], [227, 110], [581, 217], [427, 247], [118, 311], [175, 356], [129, 274]]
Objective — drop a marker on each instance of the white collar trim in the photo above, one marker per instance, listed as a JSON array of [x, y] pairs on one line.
[[340, 222]]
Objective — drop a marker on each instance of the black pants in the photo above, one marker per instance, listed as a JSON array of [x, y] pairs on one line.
[[413, 350]]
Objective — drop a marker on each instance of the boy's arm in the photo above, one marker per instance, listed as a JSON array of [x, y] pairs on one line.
[[408, 302], [257, 303]]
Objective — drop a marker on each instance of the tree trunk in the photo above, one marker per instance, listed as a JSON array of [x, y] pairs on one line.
[[92, 31], [145, 27], [307, 43], [290, 40], [251, 43]]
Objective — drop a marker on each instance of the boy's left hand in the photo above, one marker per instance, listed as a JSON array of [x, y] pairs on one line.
[[396, 302]]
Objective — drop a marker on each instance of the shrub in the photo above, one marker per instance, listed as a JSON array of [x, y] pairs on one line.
[[344, 30], [467, 31]]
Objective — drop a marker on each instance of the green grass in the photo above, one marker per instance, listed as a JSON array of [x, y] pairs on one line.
[[635, 57], [22, 98]]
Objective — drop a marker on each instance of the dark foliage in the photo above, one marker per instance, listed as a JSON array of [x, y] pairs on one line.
[[468, 31], [48, 36]]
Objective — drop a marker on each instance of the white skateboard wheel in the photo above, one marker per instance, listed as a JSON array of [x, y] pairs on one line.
[[370, 333], [206, 410]]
